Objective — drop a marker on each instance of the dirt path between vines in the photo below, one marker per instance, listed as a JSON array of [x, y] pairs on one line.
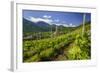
[[64, 52]]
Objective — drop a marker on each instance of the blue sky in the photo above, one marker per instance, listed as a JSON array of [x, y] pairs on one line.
[[64, 18]]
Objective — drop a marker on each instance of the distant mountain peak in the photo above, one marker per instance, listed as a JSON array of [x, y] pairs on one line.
[[42, 24]]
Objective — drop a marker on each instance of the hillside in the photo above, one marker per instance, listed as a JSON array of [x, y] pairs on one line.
[[70, 46], [29, 26]]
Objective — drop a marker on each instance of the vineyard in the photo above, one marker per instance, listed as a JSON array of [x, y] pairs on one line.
[[73, 45]]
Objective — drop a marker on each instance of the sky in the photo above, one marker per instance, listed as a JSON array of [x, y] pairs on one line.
[[70, 19]]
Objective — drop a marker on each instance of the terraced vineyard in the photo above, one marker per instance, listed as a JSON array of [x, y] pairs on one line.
[[68, 46]]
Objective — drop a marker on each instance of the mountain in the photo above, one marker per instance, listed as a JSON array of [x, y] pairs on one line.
[[29, 26], [41, 26]]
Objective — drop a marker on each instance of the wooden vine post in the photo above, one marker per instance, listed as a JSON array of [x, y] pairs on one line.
[[83, 30]]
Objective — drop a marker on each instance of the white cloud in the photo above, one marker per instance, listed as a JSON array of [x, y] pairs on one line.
[[58, 24], [71, 25], [47, 16], [67, 25], [49, 21], [33, 19], [64, 24]]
